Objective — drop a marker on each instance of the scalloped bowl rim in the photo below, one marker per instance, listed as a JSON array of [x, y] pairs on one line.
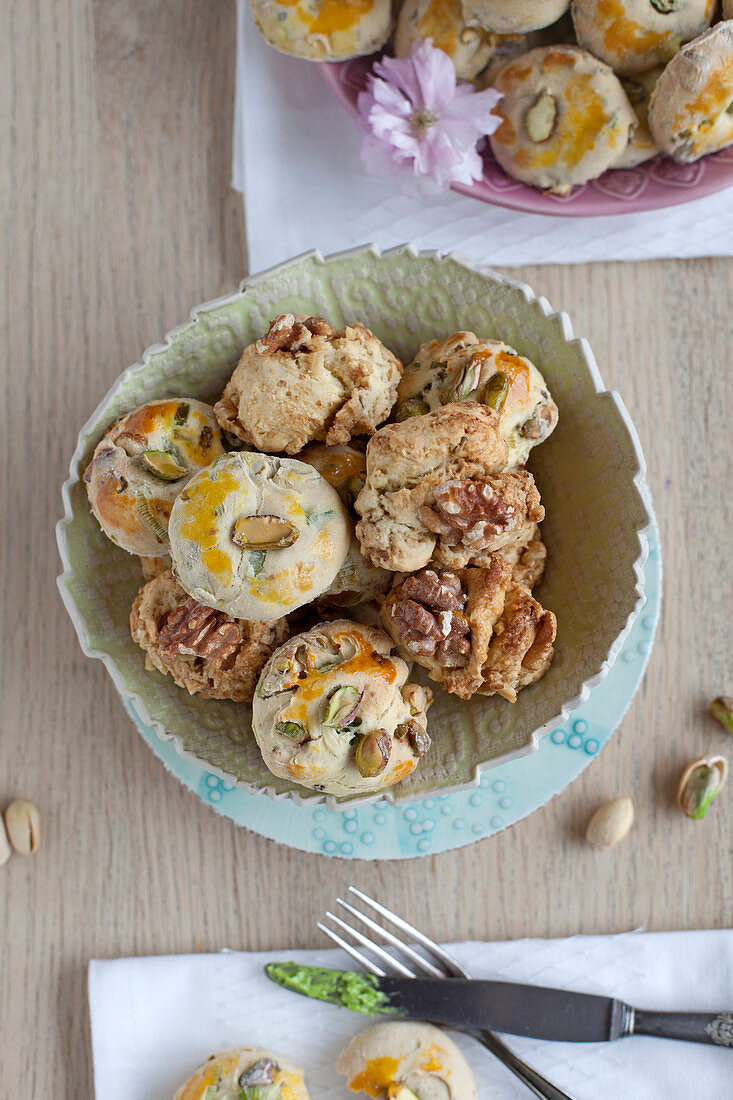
[[134, 700]]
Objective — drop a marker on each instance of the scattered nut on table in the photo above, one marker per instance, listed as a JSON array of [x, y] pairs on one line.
[[610, 823], [5, 849], [23, 823], [700, 784], [722, 711]]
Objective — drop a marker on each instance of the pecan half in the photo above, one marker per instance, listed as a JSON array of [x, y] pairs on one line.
[[198, 631], [427, 612], [286, 333], [470, 512]]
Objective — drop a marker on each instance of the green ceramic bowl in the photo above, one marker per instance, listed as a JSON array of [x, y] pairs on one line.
[[590, 474]]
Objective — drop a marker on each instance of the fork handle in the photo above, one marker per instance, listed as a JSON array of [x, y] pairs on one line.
[[534, 1081]]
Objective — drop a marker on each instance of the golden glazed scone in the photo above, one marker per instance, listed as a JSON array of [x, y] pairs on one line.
[[142, 463], [642, 146], [245, 1074], [343, 466], [469, 48], [204, 651], [514, 16], [304, 381], [464, 368], [690, 109], [324, 30], [633, 36], [404, 1060], [565, 118], [438, 490], [334, 711], [258, 536], [473, 629]]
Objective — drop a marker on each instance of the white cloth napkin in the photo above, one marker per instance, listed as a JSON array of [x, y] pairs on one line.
[[296, 158], [154, 1020]]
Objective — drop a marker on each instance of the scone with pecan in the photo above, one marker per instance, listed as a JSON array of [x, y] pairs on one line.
[[633, 36], [565, 118], [204, 651], [334, 711], [406, 1060], [438, 489], [474, 629], [324, 30], [469, 48], [514, 16], [304, 381], [246, 1073], [142, 463], [463, 368]]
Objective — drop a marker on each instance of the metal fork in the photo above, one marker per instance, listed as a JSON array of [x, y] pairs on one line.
[[439, 965]]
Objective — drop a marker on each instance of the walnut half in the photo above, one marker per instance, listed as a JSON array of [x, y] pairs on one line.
[[198, 631], [288, 333]]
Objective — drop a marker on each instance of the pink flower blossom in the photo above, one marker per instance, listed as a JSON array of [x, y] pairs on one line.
[[422, 124]]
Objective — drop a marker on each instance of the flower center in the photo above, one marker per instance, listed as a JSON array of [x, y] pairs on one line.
[[420, 121]]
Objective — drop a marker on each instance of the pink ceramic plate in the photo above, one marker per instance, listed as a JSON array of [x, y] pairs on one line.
[[651, 186]]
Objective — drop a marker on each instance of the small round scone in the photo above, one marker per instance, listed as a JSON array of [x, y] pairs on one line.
[[565, 118], [691, 108], [357, 581], [257, 536], [140, 466], [642, 146], [333, 711], [246, 1073], [469, 48], [203, 650], [305, 381], [414, 1056], [324, 30], [464, 368], [632, 36], [514, 16], [343, 466]]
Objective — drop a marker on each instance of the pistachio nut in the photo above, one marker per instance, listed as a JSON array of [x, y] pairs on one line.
[[541, 117], [148, 511], [373, 753], [342, 705], [722, 711], [181, 414], [258, 1082], [497, 391], [700, 784], [264, 533], [400, 1092], [5, 849], [23, 823], [466, 382], [610, 823], [665, 6], [293, 730], [163, 465], [467, 35], [417, 737], [414, 406]]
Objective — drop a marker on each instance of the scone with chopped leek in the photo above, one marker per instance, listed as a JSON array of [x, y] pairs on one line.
[[406, 1060], [304, 381], [565, 118], [334, 711], [203, 650], [140, 466], [463, 368], [691, 108], [470, 48], [514, 16], [633, 36], [324, 30], [438, 490], [245, 1074], [257, 536], [474, 629]]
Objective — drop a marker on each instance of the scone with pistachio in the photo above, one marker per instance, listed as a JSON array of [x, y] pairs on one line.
[[565, 118], [324, 30], [406, 1060], [473, 629], [257, 536], [642, 146], [245, 1074], [514, 16], [690, 111], [464, 368], [438, 489], [304, 380], [632, 36], [203, 650], [334, 711], [142, 463], [470, 48]]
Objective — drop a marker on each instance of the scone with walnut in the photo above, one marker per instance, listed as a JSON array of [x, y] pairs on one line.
[[204, 650], [438, 489], [304, 381]]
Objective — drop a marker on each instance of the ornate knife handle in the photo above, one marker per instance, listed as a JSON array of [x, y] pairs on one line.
[[695, 1027]]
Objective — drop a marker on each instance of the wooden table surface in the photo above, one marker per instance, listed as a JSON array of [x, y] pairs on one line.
[[117, 219]]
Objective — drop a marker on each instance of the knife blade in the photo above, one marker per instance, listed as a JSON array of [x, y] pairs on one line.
[[531, 1010]]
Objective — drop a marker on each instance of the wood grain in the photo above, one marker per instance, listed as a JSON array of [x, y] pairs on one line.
[[117, 219]]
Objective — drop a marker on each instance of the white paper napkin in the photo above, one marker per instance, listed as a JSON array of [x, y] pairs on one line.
[[296, 158], [154, 1020]]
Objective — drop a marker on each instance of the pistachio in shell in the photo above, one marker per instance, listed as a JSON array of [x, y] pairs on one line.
[[414, 406], [342, 705], [610, 823], [700, 784], [163, 465], [541, 117], [264, 533], [23, 825], [497, 391], [722, 711], [373, 753]]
